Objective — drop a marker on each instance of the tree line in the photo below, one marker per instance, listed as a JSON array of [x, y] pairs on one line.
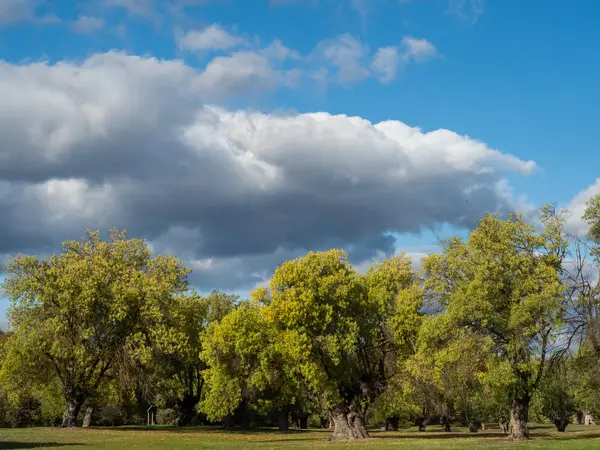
[[501, 327]]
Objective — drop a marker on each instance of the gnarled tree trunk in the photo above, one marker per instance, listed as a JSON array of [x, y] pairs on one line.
[[348, 424], [72, 408], [87, 419], [519, 416], [561, 424]]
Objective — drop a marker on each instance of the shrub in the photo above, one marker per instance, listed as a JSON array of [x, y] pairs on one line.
[[111, 415], [27, 413], [167, 416]]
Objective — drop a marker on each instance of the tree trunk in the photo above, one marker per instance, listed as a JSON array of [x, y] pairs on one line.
[[303, 422], [71, 412], [422, 424], [87, 419], [392, 423], [446, 424], [519, 416], [561, 424], [473, 428], [348, 424], [283, 419], [187, 407], [577, 418]]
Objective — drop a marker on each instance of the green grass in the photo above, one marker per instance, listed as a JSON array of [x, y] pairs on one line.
[[543, 436]]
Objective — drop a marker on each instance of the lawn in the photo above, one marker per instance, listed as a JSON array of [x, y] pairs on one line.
[[543, 436]]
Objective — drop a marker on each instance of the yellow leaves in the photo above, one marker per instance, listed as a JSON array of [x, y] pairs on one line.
[[503, 284], [92, 301]]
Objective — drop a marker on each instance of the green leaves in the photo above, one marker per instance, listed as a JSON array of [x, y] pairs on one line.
[[78, 312], [592, 217], [503, 287]]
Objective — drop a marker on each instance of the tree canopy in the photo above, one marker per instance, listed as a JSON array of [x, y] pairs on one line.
[[493, 327], [85, 313]]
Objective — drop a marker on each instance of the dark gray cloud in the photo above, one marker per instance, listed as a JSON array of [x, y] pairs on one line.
[[127, 141]]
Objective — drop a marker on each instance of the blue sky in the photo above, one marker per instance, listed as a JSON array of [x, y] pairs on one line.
[[520, 77]]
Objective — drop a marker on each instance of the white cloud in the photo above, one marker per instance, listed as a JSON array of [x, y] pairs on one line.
[[385, 63], [238, 73], [277, 51], [88, 24], [346, 54], [140, 8], [127, 141], [15, 11], [470, 10], [418, 50], [576, 225], [213, 37]]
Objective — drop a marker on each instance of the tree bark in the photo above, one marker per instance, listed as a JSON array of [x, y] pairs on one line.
[[561, 424], [422, 424], [187, 407], [446, 424], [473, 428], [283, 419], [87, 419], [577, 418], [348, 425], [392, 423], [519, 416], [73, 406], [303, 422]]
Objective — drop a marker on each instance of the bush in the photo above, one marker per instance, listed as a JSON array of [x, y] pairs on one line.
[[167, 416], [111, 416], [28, 413]]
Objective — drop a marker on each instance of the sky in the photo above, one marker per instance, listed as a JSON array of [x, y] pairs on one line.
[[237, 134]]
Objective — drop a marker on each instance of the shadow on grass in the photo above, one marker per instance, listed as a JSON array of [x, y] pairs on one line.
[[19, 445]]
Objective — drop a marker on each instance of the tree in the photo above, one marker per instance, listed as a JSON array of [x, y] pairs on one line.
[[554, 398], [342, 329], [504, 284], [584, 370], [584, 281], [451, 364], [244, 365], [179, 373], [78, 315]]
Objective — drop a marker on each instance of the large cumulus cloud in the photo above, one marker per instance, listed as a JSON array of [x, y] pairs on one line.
[[132, 142]]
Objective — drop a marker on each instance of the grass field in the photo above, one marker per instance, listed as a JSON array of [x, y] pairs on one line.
[[543, 436]]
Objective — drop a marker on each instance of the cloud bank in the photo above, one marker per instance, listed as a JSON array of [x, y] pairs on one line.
[[135, 142]]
